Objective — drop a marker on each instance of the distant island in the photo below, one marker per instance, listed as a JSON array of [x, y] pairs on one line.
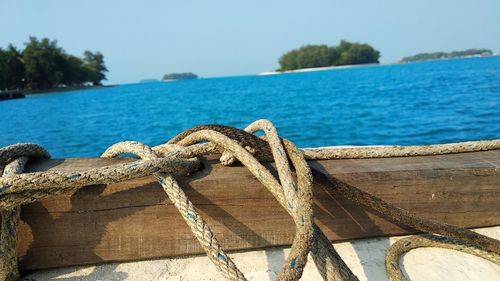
[[444, 55], [313, 56], [179, 76], [149, 80], [43, 65]]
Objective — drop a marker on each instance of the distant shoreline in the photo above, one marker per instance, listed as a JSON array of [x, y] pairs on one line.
[[317, 69], [451, 58], [65, 89]]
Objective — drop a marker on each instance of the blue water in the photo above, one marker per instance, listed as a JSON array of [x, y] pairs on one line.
[[420, 103]]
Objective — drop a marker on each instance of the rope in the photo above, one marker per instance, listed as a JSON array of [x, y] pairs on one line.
[[428, 240], [292, 189], [398, 151]]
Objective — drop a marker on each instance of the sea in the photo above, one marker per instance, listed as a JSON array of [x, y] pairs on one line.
[[421, 103]]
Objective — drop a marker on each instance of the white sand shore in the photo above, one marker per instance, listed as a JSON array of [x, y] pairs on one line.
[[365, 257], [363, 65], [317, 69]]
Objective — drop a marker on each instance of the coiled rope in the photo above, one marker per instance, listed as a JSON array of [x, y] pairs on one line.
[[179, 156]]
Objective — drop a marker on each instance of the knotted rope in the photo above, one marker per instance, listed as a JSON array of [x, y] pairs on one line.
[[178, 156]]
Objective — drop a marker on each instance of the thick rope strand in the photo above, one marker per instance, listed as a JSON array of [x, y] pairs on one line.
[[397, 214], [14, 158]]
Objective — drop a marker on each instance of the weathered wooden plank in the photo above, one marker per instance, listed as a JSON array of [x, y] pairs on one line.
[[134, 220]]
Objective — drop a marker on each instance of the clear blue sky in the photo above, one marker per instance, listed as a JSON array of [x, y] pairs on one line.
[[145, 39]]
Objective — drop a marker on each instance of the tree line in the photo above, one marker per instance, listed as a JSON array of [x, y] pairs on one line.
[[42, 64], [345, 53], [444, 55], [179, 76]]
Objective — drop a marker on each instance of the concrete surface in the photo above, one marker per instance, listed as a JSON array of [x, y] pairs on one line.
[[365, 257]]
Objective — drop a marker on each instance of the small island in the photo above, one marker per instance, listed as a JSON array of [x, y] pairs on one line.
[[149, 80], [179, 76], [443, 55], [320, 56]]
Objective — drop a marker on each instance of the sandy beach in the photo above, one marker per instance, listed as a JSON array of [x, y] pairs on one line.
[[314, 69]]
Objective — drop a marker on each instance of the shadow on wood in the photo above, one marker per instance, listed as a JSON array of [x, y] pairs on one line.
[[134, 220]]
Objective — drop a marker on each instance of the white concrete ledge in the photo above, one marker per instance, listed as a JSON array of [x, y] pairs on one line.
[[365, 257]]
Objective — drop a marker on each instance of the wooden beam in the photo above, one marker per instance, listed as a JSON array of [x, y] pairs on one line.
[[134, 220]]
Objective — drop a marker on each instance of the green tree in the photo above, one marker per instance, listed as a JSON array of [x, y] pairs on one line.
[[361, 53], [12, 68], [44, 65], [2, 69], [443, 55], [344, 46], [289, 60], [74, 71], [310, 56], [44, 62], [94, 67]]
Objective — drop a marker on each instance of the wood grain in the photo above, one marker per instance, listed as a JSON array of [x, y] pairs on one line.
[[134, 220]]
